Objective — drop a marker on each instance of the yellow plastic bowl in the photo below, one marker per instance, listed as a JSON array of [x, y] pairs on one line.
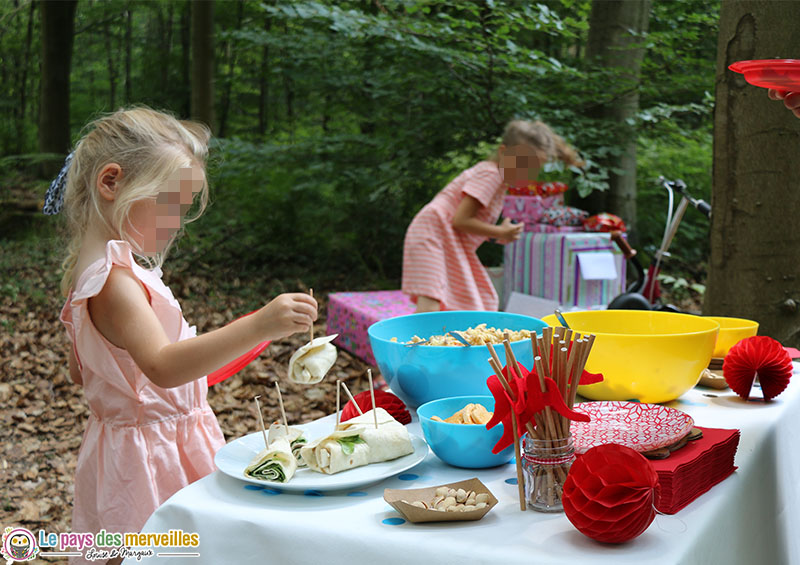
[[731, 332], [645, 356]]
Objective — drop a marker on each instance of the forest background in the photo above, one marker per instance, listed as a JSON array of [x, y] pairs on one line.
[[335, 122]]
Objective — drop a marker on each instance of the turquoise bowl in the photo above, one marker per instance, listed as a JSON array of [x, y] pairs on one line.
[[419, 374], [462, 445]]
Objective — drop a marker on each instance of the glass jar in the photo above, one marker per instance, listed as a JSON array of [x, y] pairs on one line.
[[545, 465]]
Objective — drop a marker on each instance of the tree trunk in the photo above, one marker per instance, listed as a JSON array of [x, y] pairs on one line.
[[23, 91], [755, 250], [186, 50], [263, 92], [128, 49], [112, 71], [230, 63], [165, 46], [489, 84], [203, 61], [616, 41], [58, 22]]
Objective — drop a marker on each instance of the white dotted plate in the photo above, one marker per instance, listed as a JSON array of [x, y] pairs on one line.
[[233, 457]]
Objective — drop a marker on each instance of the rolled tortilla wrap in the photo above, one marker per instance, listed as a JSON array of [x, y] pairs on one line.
[[293, 435], [275, 464], [311, 363], [357, 442]]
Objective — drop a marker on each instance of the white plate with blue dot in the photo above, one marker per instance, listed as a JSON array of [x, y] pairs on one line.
[[234, 457]]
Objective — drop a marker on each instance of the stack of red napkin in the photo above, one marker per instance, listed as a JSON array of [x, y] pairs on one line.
[[693, 469]]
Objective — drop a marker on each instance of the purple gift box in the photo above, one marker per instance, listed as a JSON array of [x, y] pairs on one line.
[[574, 269], [350, 314], [550, 228], [529, 209]]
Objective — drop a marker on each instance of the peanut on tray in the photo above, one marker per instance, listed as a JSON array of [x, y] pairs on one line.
[[453, 500]]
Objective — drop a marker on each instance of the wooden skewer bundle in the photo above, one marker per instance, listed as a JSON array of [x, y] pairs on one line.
[[559, 354]]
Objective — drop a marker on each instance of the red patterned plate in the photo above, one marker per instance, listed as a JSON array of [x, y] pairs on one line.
[[780, 74], [642, 427]]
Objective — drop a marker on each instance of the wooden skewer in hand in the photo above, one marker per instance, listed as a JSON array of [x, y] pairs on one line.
[[311, 331]]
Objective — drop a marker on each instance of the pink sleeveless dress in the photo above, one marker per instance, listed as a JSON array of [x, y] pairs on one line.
[[441, 262], [142, 443]]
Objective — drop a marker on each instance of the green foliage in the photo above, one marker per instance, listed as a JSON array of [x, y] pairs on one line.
[[679, 288], [339, 120], [675, 153]]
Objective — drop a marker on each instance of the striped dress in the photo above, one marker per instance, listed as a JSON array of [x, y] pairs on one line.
[[439, 261]]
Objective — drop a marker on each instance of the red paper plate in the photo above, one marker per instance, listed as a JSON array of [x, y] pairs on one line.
[[237, 364], [780, 74], [642, 427]]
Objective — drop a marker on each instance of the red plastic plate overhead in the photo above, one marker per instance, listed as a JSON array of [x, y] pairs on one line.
[[780, 74]]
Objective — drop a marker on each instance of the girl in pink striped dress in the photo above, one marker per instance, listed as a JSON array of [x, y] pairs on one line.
[[441, 269]]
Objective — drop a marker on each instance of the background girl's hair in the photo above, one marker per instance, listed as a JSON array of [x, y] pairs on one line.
[[149, 146], [539, 135]]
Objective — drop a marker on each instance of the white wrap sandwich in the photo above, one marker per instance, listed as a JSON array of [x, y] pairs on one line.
[[276, 463], [311, 363], [358, 442], [293, 435]]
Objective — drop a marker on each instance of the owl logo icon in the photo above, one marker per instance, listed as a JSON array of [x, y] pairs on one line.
[[19, 544]]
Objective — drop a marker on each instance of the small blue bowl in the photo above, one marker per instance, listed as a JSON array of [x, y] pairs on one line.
[[418, 374], [462, 445]]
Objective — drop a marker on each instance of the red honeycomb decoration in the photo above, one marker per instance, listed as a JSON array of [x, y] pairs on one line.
[[610, 493], [759, 357]]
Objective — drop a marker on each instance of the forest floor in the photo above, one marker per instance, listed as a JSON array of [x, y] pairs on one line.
[[45, 413]]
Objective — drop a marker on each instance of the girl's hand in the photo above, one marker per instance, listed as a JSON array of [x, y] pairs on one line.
[[509, 231], [287, 314], [790, 99]]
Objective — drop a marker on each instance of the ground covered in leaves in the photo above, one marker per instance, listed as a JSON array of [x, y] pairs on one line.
[[44, 413]]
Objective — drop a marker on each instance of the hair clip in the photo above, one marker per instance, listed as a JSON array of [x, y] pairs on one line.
[[54, 198]]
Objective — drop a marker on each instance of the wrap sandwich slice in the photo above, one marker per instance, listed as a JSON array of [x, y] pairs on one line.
[[293, 435], [358, 442], [275, 464], [309, 364]]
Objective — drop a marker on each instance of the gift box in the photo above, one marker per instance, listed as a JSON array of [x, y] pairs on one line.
[[350, 314], [574, 269], [550, 228], [538, 188], [529, 209]]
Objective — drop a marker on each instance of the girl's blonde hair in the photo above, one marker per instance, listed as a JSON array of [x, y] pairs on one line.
[[149, 146], [539, 136]]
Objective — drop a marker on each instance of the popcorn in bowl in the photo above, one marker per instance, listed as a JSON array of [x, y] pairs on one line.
[[479, 335]]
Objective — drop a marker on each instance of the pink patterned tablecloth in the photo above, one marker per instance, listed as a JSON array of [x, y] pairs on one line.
[[350, 314]]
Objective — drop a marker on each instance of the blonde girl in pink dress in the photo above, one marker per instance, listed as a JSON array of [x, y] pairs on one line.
[[441, 269], [129, 184]]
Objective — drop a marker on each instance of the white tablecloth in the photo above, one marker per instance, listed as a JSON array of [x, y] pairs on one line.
[[751, 517]]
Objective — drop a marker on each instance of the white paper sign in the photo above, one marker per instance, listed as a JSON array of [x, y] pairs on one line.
[[597, 265], [536, 306]]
